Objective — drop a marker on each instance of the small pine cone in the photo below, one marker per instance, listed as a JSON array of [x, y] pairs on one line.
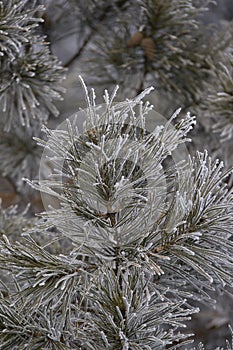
[[135, 40], [8, 199], [148, 46]]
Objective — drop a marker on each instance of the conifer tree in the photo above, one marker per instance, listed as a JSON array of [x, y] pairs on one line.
[[134, 233]]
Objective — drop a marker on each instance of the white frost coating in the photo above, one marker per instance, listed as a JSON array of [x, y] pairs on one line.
[[125, 341], [41, 284], [127, 305], [120, 183], [103, 336], [119, 313]]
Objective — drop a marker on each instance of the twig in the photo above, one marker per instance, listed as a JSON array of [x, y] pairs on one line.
[[78, 53]]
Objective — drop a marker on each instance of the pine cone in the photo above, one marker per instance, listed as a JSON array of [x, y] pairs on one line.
[[148, 46], [135, 40]]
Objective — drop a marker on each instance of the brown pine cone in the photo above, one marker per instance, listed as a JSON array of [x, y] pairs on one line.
[[148, 46], [135, 40]]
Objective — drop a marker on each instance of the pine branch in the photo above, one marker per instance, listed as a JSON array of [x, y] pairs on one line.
[[29, 85], [20, 155], [169, 30], [110, 180], [197, 221], [17, 21], [13, 222], [220, 99], [130, 314], [138, 228]]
